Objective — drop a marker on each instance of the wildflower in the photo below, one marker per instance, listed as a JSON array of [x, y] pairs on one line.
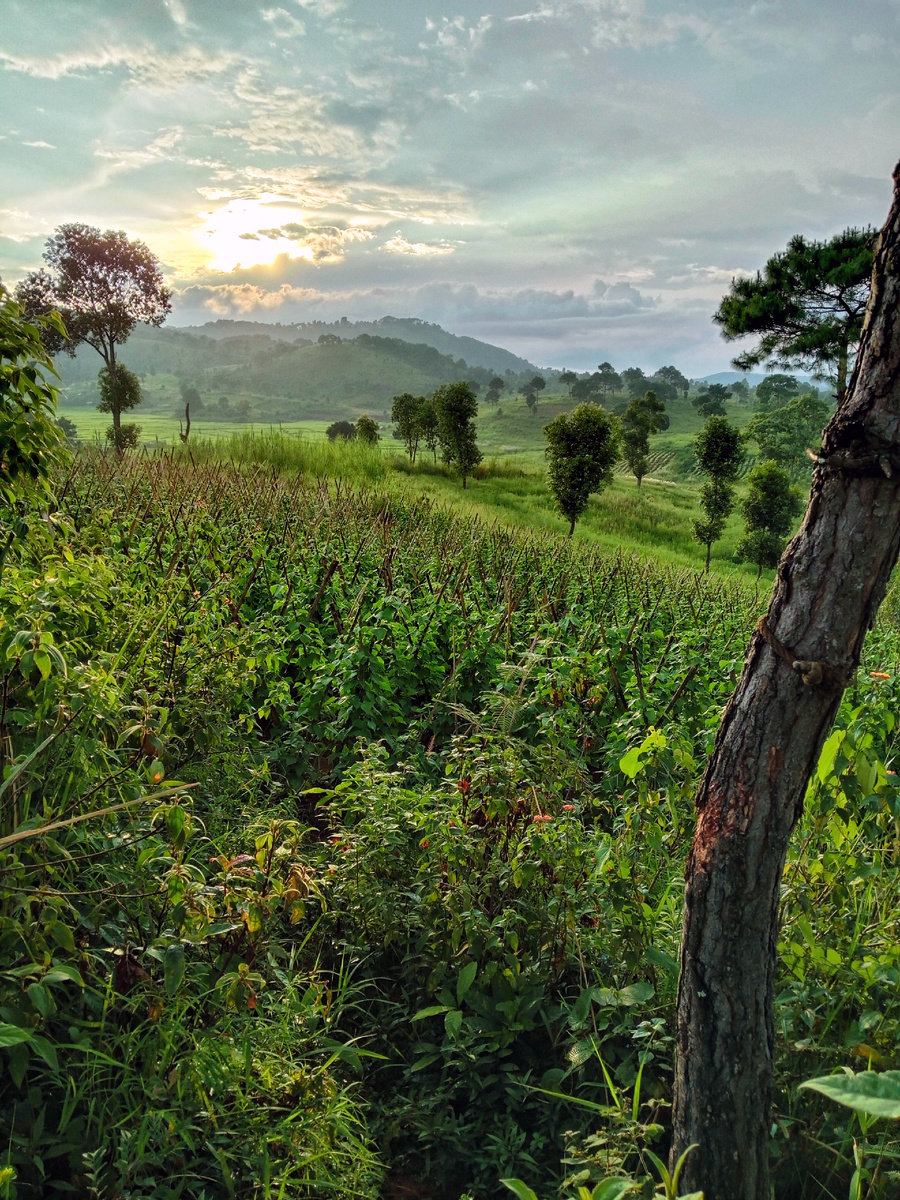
[[424, 843], [464, 785], [568, 807], [541, 817], [879, 674]]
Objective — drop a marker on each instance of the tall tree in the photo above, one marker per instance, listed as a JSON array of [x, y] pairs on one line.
[[717, 448], [644, 416], [801, 657], [103, 284], [120, 392], [806, 306], [710, 401], [427, 423], [635, 381], [582, 449], [567, 378], [789, 434], [775, 391], [673, 376], [607, 380], [456, 408], [768, 510], [495, 387], [405, 415]]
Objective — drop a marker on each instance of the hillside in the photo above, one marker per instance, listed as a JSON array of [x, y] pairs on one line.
[[407, 329]]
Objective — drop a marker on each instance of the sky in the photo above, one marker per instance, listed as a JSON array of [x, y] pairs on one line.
[[575, 180]]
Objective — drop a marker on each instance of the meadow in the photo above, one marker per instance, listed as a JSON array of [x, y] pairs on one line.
[[342, 837]]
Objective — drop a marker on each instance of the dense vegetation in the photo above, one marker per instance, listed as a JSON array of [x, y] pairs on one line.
[[378, 889]]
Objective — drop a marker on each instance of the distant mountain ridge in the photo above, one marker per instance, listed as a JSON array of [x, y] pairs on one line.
[[406, 329]]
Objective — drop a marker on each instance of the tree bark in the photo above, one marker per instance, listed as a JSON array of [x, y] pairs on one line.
[[830, 582]]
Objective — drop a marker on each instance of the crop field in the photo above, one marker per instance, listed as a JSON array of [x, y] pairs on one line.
[[350, 833]]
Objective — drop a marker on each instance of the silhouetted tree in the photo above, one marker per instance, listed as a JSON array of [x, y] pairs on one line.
[[806, 306], [567, 378], [343, 430], [103, 284]]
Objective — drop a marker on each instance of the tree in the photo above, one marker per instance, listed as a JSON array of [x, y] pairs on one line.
[[768, 510], [344, 431], [607, 380], [710, 402], [537, 383], [329, 339], [405, 415], [190, 395], [69, 430], [103, 284], [673, 376], [368, 430], [530, 400], [644, 416], [495, 387], [126, 437], [717, 448], [806, 306], [456, 408], [30, 438], [428, 426], [635, 381], [775, 391], [582, 449], [567, 378], [789, 433], [120, 392], [802, 655]]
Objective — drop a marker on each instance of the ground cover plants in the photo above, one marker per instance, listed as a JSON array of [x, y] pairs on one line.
[[379, 890]]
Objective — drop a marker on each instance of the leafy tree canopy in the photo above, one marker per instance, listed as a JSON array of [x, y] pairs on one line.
[[456, 407], [345, 430], [582, 449], [673, 376], [775, 391], [635, 381], [368, 430], [769, 509], [785, 435], [120, 392], [644, 416], [806, 306], [710, 402]]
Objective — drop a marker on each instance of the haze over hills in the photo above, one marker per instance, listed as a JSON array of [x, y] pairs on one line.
[[407, 329]]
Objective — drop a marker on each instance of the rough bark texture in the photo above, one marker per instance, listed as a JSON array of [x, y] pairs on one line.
[[830, 582]]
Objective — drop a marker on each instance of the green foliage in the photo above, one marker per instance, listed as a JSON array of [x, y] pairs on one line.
[[344, 431], [30, 443], [405, 410], [119, 394], [877, 1094], [710, 402], [718, 452], [788, 433], [806, 306], [775, 391], [368, 430], [582, 448], [768, 509], [455, 408], [645, 415], [126, 437]]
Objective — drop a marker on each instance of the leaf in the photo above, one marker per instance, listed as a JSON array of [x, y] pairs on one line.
[[522, 1190], [829, 754], [630, 763], [581, 1008], [465, 981], [63, 973], [452, 1022], [434, 1011], [41, 999], [46, 1050], [636, 993], [872, 1092], [611, 1189], [19, 1057], [659, 958], [174, 967], [12, 1035]]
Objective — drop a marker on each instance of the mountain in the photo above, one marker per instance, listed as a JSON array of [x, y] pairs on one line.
[[406, 329], [751, 377]]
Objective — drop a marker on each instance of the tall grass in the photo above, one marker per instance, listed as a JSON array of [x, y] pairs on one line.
[[292, 454]]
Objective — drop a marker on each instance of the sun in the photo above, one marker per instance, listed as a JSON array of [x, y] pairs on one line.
[[246, 233]]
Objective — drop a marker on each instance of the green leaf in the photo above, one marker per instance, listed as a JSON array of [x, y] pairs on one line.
[[522, 1190], [829, 754], [630, 763], [872, 1092], [465, 981], [63, 973], [611, 1189], [434, 1011], [174, 967], [12, 1035], [46, 1050], [659, 958], [63, 936], [18, 1057], [452, 1022], [41, 999], [636, 993]]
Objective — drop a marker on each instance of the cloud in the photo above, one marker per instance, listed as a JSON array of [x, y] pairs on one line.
[[144, 65], [283, 24], [398, 244], [40, 145], [323, 243], [322, 8]]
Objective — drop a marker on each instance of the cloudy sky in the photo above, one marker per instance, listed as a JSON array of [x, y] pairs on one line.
[[575, 180]]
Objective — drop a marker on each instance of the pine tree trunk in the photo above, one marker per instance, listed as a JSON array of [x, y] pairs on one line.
[[830, 582]]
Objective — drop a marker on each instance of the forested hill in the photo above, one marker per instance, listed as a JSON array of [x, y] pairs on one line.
[[406, 329], [299, 378]]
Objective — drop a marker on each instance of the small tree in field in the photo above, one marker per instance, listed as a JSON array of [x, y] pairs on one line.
[[717, 448], [103, 284], [644, 415], [405, 415], [368, 430], [344, 431], [120, 393], [768, 510], [427, 425], [456, 408], [582, 449]]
